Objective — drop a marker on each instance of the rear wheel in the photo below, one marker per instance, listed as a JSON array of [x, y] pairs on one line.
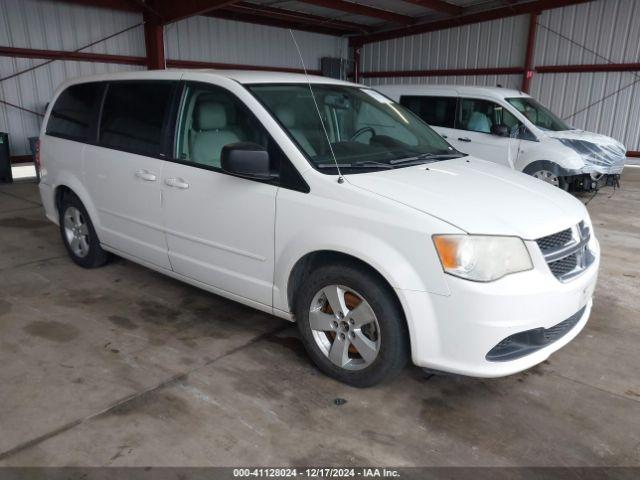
[[78, 234], [351, 325]]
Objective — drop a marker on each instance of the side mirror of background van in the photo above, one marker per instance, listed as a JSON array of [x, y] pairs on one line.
[[500, 130], [246, 159]]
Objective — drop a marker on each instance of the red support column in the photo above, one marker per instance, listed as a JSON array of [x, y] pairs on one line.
[[357, 48], [154, 42], [528, 56]]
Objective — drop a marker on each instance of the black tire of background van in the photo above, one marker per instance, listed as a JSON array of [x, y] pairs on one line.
[[550, 166]]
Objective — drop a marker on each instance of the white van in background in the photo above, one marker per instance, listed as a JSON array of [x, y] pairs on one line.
[[511, 128]]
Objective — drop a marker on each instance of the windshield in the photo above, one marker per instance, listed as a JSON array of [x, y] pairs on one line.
[[365, 128], [539, 115]]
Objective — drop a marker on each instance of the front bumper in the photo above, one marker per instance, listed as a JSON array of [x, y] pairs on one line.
[[590, 182], [455, 333]]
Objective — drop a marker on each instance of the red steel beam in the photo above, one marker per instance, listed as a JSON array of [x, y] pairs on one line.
[[632, 153], [502, 12], [597, 67], [174, 63], [454, 72], [64, 55], [297, 18], [438, 6], [121, 59], [359, 9], [272, 22], [529, 53], [154, 41]]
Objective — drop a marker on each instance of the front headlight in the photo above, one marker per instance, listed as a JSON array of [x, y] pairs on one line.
[[482, 258]]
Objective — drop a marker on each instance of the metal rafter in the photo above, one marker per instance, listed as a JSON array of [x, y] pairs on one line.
[[359, 9], [172, 10], [438, 6], [297, 19], [476, 17]]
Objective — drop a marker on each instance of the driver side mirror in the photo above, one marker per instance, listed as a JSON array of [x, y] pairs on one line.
[[500, 130], [247, 160]]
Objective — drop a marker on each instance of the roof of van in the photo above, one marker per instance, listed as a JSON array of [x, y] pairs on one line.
[[417, 89], [241, 76]]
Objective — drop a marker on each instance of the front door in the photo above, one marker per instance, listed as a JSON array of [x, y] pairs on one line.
[[124, 170], [219, 228], [474, 133]]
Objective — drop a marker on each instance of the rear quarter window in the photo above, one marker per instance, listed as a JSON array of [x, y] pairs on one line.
[[74, 112]]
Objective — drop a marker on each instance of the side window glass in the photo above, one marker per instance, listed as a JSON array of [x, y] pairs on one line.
[[74, 111], [436, 111], [476, 115], [210, 118], [133, 116]]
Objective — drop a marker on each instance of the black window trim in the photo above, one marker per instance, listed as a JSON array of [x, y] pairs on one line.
[[299, 185], [162, 155]]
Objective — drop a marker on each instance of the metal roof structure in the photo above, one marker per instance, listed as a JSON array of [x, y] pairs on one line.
[[363, 20]]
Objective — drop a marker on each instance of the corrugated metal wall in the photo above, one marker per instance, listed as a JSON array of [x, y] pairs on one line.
[[55, 26], [226, 41], [499, 43], [602, 31], [41, 24]]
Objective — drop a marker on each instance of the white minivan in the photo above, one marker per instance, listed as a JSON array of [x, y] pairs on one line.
[[511, 128], [325, 203]]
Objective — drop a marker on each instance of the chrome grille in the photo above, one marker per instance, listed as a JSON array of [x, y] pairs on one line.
[[567, 252]]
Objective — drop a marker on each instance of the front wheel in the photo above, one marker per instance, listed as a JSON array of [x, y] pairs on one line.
[[351, 325], [551, 178], [549, 172]]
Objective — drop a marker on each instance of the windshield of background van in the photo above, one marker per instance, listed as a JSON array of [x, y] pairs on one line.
[[539, 115], [365, 128]]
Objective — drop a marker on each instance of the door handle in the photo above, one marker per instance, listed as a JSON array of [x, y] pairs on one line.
[[464, 139], [146, 175], [444, 136], [176, 183]]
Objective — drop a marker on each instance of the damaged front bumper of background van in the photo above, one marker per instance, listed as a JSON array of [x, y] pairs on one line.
[[603, 165]]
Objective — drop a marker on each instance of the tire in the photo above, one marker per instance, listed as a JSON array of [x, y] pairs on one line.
[[322, 330], [548, 172], [551, 178], [78, 235]]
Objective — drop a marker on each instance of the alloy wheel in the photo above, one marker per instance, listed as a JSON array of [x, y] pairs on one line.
[[344, 327], [76, 232]]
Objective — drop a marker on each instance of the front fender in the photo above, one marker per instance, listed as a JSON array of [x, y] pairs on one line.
[[386, 258]]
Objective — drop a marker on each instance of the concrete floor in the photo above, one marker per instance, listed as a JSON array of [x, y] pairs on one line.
[[122, 366]]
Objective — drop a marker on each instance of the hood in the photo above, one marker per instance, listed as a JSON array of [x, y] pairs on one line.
[[478, 197]]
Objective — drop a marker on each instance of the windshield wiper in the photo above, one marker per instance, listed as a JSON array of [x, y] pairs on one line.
[[426, 158], [362, 164]]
